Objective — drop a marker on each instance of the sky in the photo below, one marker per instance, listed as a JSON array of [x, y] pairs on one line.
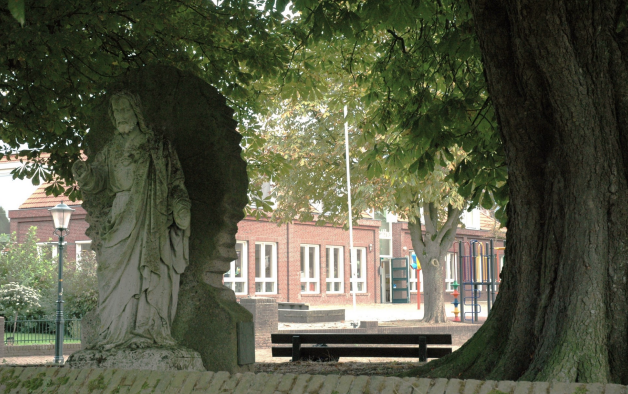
[[13, 192]]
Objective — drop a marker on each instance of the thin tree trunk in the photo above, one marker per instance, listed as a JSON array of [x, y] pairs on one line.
[[556, 72], [431, 249]]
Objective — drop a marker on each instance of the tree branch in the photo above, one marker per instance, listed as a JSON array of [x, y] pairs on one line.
[[431, 218], [416, 237], [448, 232], [398, 38]]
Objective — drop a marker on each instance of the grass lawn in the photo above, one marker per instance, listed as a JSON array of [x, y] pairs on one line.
[[34, 339]]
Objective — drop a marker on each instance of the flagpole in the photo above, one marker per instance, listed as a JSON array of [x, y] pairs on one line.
[[351, 259]]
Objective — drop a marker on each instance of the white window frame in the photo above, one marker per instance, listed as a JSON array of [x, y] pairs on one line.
[[230, 281], [331, 264], [53, 247], [451, 261], [79, 248], [471, 219], [385, 236], [502, 260], [272, 260], [361, 270], [311, 280]]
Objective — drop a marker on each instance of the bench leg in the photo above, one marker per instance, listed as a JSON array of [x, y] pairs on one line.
[[296, 348], [422, 349]]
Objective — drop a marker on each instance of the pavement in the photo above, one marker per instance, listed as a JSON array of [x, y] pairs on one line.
[[393, 312], [31, 360]]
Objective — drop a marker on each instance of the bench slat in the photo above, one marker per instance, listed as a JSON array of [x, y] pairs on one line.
[[383, 339], [337, 352]]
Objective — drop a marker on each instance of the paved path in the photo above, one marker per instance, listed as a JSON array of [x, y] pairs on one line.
[[388, 312]]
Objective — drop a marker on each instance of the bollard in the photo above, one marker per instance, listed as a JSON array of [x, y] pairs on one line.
[[456, 303]]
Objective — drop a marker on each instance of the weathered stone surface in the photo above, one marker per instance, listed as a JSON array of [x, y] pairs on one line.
[[421, 386], [523, 388], [105, 381], [471, 386], [311, 316], [194, 117], [329, 384], [506, 386], [614, 389], [89, 329], [453, 386], [154, 359], [487, 387], [438, 387]]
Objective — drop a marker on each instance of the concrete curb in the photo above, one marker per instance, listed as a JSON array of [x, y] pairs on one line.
[[106, 381]]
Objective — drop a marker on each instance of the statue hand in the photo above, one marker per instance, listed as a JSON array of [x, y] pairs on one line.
[[181, 213], [79, 168]]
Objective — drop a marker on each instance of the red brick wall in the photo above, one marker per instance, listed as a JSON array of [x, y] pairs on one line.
[[290, 237], [23, 219]]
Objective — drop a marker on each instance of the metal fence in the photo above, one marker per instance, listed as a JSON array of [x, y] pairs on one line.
[[40, 332]]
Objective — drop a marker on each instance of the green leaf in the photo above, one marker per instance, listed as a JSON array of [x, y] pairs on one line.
[[487, 201], [17, 10]]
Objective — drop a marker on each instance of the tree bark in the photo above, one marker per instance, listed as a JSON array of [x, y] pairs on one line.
[[430, 249], [556, 72]]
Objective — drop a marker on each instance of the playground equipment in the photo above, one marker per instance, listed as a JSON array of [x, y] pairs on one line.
[[477, 274], [456, 303]]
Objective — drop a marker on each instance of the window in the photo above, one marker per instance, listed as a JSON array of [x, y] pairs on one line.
[[335, 271], [385, 234], [358, 256], [236, 277], [310, 267], [266, 268], [471, 219], [451, 265], [502, 260], [48, 250], [82, 247]]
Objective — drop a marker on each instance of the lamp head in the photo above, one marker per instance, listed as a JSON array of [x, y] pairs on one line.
[[61, 214]]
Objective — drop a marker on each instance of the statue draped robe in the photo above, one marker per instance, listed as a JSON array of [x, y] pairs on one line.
[[143, 251]]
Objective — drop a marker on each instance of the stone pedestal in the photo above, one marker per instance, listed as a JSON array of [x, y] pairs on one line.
[[265, 318], [208, 323], [311, 316], [154, 359]]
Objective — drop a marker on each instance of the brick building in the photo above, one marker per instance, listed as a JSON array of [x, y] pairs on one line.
[[34, 212], [298, 262]]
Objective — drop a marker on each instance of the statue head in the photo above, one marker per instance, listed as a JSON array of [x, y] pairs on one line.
[[126, 113]]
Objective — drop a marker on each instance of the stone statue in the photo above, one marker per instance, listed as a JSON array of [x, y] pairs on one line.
[[145, 235], [141, 223]]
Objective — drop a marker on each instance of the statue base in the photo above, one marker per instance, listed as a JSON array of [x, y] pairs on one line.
[[154, 359]]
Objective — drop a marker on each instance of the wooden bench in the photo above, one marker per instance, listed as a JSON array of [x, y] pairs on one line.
[[323, 352]]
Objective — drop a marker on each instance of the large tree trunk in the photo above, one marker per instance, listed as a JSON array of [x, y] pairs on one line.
[[430, 249], [556, 72]]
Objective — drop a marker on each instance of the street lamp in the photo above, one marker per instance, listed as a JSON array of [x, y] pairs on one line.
[[61, 217]]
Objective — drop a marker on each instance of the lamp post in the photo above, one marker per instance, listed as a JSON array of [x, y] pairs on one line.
[[61, 217]]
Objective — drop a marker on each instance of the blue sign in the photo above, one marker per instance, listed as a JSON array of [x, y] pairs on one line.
[[413, 264]]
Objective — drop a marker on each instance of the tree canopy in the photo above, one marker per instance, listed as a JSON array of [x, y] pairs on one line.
[[65, 53], [412, 78]]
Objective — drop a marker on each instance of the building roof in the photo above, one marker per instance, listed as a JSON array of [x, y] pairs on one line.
[[17, 158], [39, 199]]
